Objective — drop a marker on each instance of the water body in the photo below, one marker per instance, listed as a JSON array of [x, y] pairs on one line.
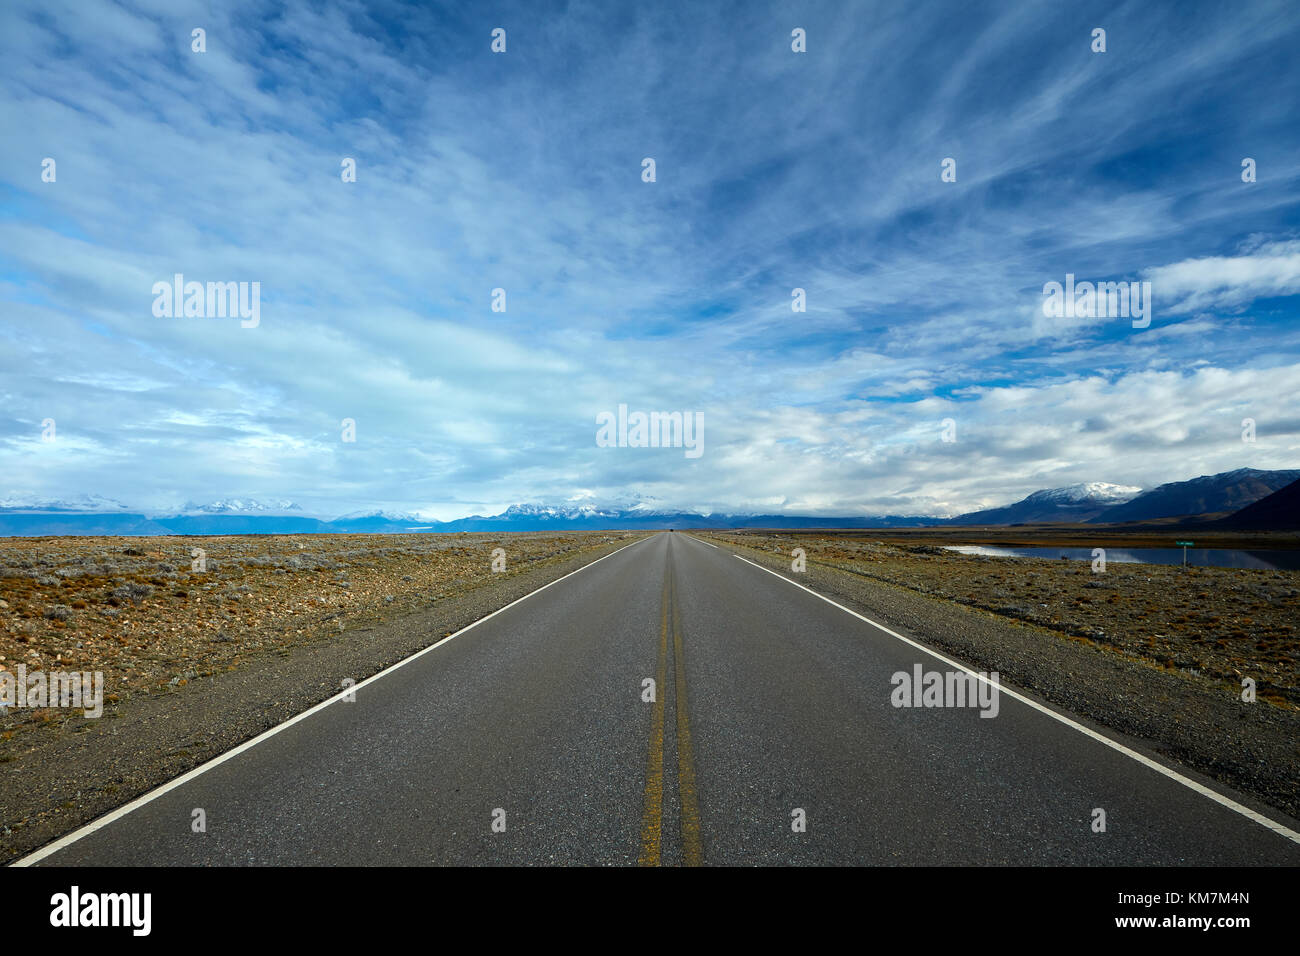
[[1268, 560]]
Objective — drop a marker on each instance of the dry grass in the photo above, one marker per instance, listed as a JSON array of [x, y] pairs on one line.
[[134, 608], [1221, 623]]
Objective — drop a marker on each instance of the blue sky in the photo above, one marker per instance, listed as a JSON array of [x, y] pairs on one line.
[[522, 170]]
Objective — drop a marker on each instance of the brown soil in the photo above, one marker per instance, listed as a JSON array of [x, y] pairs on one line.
[[293, 631], [1224, 624], [1141, 659], [135, 609]]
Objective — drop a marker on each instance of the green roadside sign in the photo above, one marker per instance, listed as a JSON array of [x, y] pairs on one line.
[[1185, 544]]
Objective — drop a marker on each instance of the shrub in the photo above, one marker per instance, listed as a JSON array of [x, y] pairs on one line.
[[131, 592]]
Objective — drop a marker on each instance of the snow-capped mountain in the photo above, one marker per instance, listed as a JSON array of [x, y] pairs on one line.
[[1077, 502], [1208, 494], [379, 522], [588, 517], [1084, 501], [241, 506], [1100, 492], [92, 503], [557, 512], [404, 517]]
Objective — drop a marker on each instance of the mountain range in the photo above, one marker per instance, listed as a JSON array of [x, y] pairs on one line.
[[1279, 511], [1208, 494], [1256, 497], [1081, 502]]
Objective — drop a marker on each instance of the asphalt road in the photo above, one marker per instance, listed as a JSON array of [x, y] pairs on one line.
[[527, 739]]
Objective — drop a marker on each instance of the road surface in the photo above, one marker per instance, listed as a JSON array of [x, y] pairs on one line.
[[530, 738]]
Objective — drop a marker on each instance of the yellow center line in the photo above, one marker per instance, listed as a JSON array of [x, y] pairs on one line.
[[692, 852], [652, 817]]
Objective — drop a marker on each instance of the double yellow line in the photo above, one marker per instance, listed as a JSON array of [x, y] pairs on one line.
[[652, 818]]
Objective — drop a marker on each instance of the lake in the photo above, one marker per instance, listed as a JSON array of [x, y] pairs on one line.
[[1269, 560]]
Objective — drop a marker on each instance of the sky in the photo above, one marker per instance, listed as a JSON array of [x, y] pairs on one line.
[[923, 377]]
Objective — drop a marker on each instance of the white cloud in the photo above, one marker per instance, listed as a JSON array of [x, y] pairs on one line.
[[1220, 282], [523, 173]]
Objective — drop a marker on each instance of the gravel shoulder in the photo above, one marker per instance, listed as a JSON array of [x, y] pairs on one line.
[[1183, 716], [60, 770], [281, 626]]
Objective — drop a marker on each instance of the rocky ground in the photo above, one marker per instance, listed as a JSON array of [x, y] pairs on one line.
[[195, 661], [1153, 655], [141, 610], [1224, 624]]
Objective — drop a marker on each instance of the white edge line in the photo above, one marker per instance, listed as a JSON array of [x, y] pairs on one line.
[[1116, 745], [114, 815]]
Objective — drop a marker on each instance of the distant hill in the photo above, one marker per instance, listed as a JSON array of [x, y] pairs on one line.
[[586, 518], [242, 506], [68, 523], [240, 524], [1280, 511], [244, 517], [1072, 503], [96, 503], [1094, 501], [1228, 491]]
